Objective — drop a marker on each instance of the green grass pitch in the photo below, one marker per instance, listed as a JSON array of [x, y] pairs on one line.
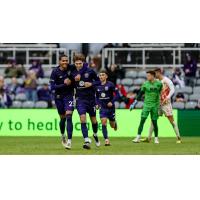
[[120, 146]]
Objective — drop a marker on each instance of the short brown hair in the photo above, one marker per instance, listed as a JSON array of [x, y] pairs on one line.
[[158, 70], [151, 72], [79, 56], [103, 71]]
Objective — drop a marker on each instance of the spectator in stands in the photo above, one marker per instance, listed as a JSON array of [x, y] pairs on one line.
[[45, 95], [13, 70], [190, 68], [21, 69], [115, 72], [177, 78], [37, 67], [15, 87], [30, 85], [180, 97], [5, 100], [122, 90], [95, 63]]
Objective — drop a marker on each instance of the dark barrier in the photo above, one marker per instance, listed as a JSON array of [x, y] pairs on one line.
[[189, 122]]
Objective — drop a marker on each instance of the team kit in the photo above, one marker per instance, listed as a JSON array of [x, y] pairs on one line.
[[77, 85]]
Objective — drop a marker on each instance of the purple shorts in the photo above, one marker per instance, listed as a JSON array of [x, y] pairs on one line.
[[86, 106], [107, 113], [64, 104]]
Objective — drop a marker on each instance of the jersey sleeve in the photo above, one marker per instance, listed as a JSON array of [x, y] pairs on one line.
[[142, 89], [171, 87], [52, 81], [95, 79], [141, 92]]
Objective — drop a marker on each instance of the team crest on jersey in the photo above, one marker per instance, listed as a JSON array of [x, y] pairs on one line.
[[106, 88], [86, 75], [103, 94], [81, 83]]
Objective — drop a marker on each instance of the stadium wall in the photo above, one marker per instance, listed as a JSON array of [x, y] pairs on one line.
[[189, 122], [45, 122]]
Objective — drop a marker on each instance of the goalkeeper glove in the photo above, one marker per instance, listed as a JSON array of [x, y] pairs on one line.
[[132, 106]]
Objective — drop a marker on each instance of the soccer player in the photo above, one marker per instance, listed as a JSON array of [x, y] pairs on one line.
[[151, 90], [165, 104], [85, 78], [61, 83], [105, 100]]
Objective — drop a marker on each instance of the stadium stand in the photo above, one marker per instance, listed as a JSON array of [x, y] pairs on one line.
[[132, 76]]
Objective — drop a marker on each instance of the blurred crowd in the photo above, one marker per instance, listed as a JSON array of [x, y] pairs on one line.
[[25, 81]]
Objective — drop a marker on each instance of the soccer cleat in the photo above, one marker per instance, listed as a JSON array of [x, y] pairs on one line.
[[136, 140], [107, 142], [146, 140], [86, 145], [97, 142], [178, 142], [89, 140], [156, 141], [64, 142], [68, 145]]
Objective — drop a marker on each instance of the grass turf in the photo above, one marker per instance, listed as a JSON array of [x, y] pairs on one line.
[[120, 146]]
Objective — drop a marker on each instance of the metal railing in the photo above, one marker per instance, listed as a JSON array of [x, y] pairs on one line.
[[49, 56], [143, 57]]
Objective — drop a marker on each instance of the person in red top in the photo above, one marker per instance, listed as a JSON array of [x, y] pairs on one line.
[[121, 90]]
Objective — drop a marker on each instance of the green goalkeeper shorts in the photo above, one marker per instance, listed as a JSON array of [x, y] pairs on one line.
[[152, 110]]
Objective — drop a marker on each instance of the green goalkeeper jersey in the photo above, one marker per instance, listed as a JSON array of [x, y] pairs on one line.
[[151, 91]]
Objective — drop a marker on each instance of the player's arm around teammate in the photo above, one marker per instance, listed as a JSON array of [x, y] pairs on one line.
[[85, 97], [63, 91]]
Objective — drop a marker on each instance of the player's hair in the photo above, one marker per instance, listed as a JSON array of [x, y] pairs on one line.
[[158, 70], [151, 72], [103, 71], [79, 56], [62, 56]]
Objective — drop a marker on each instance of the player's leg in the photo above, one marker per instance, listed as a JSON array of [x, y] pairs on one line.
[[69, 107], [175, 127], [144, 115], [69, 128], [84, 129], [62, 129], [154, 118], [167, 109], [155, 126], [140, 129], [105, 131], [81, 108], [148, 139], [92, 113], [112, 120], [151, 129], [61, 112]]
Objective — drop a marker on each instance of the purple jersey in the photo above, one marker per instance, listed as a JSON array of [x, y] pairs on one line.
[[87, 75], [105, 94], [58, 88]]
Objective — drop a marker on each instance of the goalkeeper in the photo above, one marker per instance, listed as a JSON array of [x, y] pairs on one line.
[[151, 90]]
